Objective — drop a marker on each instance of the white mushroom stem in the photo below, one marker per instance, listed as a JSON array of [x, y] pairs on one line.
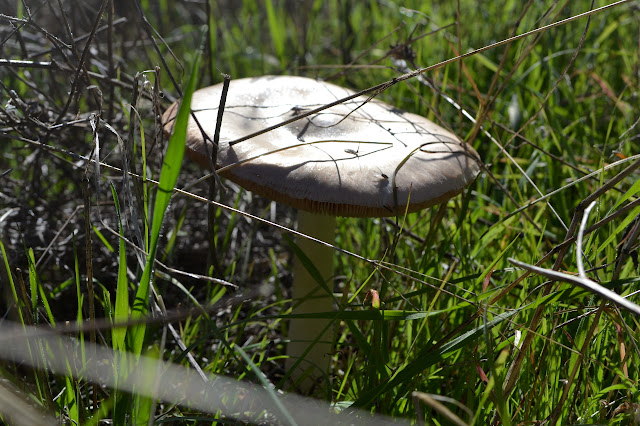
[[309, 297]]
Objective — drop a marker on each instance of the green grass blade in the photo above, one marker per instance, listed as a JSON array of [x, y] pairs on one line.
[[33, 287], [143, 404], [211, 23], [14, 292], [121, 311], [79, 297], [622, 226], [168, 177], [69, 400], [426, 359], [268, 386], [36, 286], [495, 261], [102, 238], [277, 30]]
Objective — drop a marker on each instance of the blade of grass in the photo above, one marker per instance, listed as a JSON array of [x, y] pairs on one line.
[[14, 291], [429, 357], [36, 285], [277, 30], [268, 386], [121, 312], [168, 178]]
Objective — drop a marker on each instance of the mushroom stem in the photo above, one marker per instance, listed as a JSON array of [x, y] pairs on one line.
[[309, 297]]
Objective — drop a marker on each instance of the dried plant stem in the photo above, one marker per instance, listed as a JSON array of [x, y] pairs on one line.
[[213, 261], [82, 63]]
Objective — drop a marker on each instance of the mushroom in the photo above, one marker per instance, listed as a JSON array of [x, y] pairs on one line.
[[360, 158]]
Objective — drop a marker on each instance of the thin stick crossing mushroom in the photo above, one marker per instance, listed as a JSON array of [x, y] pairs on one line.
[[360, 158]]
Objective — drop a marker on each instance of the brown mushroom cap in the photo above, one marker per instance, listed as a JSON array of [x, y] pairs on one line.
[[344, 160]]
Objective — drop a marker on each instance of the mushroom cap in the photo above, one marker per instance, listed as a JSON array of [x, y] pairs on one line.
[[345, 160]]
